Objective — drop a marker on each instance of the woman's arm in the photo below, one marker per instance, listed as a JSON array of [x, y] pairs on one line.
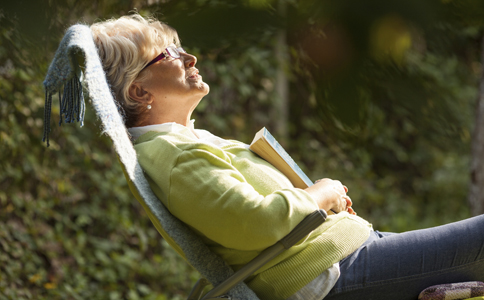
[[229, 196], [331, 195], [234, 199]]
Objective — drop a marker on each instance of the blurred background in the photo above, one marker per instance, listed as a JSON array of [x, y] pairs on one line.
[[382, 95]]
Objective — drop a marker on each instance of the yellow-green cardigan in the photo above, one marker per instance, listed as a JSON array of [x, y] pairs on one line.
[[240, 204]]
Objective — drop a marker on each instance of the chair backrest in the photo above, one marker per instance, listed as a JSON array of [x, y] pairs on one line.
[[65, 71]]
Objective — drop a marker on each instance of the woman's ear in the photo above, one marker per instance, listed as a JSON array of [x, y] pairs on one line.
[[138, 94]]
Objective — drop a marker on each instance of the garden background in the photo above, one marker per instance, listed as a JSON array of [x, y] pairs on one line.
[[382, 95]]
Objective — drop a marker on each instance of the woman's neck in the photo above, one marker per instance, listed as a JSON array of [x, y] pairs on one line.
[[161, 119]]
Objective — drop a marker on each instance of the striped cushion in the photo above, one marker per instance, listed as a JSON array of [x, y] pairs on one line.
[[453, 291]]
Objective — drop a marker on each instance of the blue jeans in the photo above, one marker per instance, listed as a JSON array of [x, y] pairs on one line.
[[399, 266]]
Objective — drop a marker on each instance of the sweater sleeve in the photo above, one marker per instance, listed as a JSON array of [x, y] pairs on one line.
[[206, 191]]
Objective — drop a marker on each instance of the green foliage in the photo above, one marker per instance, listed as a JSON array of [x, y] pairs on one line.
[[69, 226], [392, 120], [400, 133], [69, 230]]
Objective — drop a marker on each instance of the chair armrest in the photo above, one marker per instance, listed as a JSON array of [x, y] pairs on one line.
[[308, 224]]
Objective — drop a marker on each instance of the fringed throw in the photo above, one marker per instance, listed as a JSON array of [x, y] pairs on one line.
[[71, 106], [65, 73]]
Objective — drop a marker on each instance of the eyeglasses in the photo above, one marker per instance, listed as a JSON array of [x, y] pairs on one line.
[[169, 51]]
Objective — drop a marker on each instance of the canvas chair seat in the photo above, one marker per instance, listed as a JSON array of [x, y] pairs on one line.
[[77, 49]]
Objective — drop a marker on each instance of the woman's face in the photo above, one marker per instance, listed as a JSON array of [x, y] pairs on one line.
[[175, 78]]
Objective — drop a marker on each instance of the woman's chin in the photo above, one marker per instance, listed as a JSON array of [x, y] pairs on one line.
[[203, 87]]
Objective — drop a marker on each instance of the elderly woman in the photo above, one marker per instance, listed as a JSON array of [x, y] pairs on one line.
[[239, 204]]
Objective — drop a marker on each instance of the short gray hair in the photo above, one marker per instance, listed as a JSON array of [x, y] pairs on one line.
[[125, 46]]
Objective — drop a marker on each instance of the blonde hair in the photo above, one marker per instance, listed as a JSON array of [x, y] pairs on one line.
[[125, 46]]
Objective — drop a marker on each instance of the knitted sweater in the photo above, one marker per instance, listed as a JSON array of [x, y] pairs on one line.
[[239, 204]]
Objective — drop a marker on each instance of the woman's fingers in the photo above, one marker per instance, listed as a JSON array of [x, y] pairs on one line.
[[349, 203], [340, 187], [336, 183], [341, 201]]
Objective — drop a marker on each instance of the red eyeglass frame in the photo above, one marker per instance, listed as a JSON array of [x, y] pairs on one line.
[[169, 51]]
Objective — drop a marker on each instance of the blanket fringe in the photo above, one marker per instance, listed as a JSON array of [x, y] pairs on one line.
[[72, 106]]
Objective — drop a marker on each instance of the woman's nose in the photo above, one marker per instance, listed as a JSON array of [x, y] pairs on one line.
[[189, 60]]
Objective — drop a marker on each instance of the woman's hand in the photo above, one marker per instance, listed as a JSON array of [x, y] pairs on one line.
[[331, 195]]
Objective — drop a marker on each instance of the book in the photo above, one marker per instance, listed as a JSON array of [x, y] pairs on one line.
[[267, 147]]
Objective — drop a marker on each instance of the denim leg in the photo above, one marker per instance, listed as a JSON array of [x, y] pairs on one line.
[[399, 266]]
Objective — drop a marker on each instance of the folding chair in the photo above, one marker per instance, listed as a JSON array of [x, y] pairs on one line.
[[77, 49]]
